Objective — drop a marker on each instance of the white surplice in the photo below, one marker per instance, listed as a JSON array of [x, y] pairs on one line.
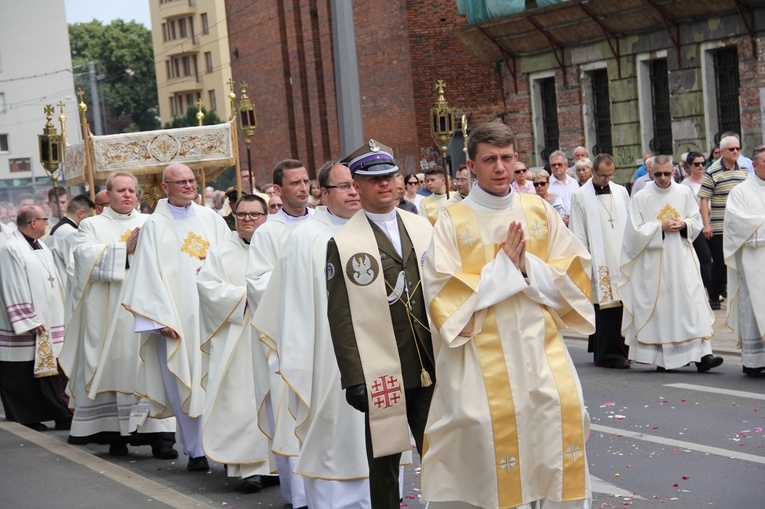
[[516, 386], [31, 294], [100, 354], [333, 452], [60, 244], [431, 206], [666, 320], [230, 432], [161, 287], [265, 249], [598, 222], [744, 248]]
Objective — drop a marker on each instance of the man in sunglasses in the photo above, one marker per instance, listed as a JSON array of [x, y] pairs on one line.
[[161, 293], [667, 321], [718, 181], [231, 434]]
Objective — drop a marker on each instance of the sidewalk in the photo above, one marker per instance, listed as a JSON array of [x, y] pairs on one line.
[[723, 342]]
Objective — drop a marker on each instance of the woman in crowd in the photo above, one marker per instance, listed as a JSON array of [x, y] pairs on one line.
[[542, 187], [714, 155], [520, 183], [411, 182], [314, 194], [583, 170]]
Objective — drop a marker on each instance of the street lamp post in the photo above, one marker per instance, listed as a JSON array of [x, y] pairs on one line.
[[50, 151], [249, 123], [442, 122]]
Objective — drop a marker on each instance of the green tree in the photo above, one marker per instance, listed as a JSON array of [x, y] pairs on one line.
[[124, 59], [190, 118]]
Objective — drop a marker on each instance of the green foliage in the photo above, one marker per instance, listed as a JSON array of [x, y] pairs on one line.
[[123, 54], [225, 180], [190, 119]]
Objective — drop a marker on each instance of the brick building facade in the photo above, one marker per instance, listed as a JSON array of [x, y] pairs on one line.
[[640, 77], [283, 50]]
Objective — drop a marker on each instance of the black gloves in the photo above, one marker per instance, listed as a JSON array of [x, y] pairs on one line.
[[356, 396]]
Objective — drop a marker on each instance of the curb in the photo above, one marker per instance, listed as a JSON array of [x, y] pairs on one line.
[[716, 350]]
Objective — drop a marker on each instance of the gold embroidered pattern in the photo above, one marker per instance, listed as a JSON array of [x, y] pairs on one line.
[[538, 229], [574, 452], [668, 212], [195, 246], [604, 283], [45, 362], [469, 238], [125, 235], [507, 463]]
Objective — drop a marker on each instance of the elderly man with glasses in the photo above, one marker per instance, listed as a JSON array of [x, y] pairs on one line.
[[717, 183], [561, 184], [32, 323], [162, 295]]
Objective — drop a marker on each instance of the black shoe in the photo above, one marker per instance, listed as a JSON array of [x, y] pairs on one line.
[[37, 426], [622, 364], [714, 304], [198, 464], [118, 450], [64, 424], [251, 484], [708, 362], [163, 452], [266, 481], [659, 368], [754, 372]]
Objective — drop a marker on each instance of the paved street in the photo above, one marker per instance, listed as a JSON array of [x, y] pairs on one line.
[[678, 440]]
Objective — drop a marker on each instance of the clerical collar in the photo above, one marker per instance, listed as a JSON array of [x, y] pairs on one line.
[[336, 220], [490, 201], [245, 240], [181, 212], [602, 189], [295, 217], [32, 242], [387, 216]]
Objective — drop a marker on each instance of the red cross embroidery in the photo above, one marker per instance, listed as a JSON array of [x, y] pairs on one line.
[[386, 392]]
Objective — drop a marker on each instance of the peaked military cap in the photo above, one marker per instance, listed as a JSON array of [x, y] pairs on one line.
[[371, 160]]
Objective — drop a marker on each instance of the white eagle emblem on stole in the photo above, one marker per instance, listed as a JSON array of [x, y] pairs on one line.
[[362, 271]]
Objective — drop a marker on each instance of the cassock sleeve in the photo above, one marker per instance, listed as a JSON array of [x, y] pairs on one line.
[[261, 261], [341, 321], [16, 294], [221, 300], [577, 221]]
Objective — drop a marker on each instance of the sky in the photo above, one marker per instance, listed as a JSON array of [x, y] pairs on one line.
[[78, 11]]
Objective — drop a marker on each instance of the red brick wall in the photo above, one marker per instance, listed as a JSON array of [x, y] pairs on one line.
[[285, 54]]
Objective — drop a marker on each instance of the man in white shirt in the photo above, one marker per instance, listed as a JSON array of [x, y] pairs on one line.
[[561, 184]]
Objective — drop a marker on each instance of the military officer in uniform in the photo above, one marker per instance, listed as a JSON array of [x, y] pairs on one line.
[[385, 359]]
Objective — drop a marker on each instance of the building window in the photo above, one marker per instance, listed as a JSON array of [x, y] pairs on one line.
[[205, 24], [213, 103], [165, 34], [182, 28], [549, 117], [3, 108], [601, 106], [208, 61], [171, 33], [168, 69], [727, 83], [3, 143], [662, 118], [176, 67], [189, 100], [187, 66], [173, 111]]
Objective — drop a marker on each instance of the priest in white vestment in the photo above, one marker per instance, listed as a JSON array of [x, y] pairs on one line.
[[598, 217], [291, 183], [161, 293], [61, 236], [431, 206], [744, 247], [502, 275], [667, 320], [333, 457], [100, 353], [230, 434], [31, 326]]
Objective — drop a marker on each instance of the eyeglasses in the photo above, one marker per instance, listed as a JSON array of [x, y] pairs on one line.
[[412, 183], [733, 149], [182, 183], [343, 187], [540, 184], [252, 215], [662, 174], [701, 163], [557, 165], [522, 170], [275, 206]]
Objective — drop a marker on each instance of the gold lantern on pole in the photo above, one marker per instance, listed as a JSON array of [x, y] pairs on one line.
[[248, 123], [442, 122], [50, 151]]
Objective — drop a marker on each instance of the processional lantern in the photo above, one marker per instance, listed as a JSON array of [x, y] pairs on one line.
[[442, 122]]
